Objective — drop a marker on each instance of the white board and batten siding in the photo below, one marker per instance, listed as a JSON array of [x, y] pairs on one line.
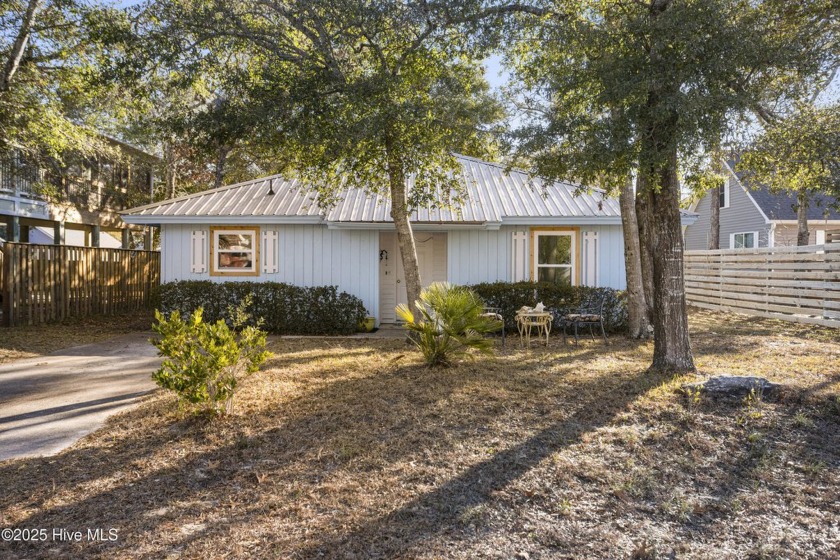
[[303, 255], [503, 255]]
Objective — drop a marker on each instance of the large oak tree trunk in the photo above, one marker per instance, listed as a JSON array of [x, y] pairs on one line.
[[714, 218], [671, 345], [671, 348], [802, 234], [405, 235], [637, 309], [643, 221]]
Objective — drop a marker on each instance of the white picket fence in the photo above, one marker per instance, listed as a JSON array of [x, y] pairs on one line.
[[800, 284]]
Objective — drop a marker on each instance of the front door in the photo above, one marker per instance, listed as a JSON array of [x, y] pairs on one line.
[[431, 260]]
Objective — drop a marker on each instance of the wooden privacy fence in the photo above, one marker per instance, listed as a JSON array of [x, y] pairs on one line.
[[799, 284], [44, 283]]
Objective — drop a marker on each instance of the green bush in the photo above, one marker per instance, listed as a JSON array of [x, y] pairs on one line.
[[282, 308], [450, 323], [204, 361], [509, 297]]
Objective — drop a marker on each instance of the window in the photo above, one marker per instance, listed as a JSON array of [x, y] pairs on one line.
[[724, 194], [234, 251], [555, 257], [748, 240]]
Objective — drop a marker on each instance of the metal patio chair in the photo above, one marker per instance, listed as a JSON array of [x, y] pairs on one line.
[[591, 316], [495, 313]]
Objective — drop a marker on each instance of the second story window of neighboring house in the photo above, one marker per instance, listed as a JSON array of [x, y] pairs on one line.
[[724, 194], [746, 240]]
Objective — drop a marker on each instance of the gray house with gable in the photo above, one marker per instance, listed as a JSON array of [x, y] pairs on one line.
[[752, 216]]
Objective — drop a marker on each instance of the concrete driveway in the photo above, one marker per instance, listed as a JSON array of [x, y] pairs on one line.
[[48, 403]]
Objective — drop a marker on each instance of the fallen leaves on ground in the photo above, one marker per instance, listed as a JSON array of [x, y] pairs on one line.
[[340, 450]]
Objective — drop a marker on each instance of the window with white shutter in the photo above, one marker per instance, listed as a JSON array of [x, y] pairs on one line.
[[198, 252], [519, 257], [590, 258], [270, 252]]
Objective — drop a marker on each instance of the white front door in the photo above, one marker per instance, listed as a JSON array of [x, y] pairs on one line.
[[431, 260]]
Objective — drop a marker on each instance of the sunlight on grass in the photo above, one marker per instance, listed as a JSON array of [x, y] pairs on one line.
[[353, 443]]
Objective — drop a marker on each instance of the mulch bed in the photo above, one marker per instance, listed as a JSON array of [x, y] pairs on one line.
[[352, 449]]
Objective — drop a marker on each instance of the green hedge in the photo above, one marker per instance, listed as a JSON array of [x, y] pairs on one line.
[[285, 309], [509, 297]]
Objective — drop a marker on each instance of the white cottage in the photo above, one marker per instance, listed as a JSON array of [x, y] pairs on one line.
[[510, 228]]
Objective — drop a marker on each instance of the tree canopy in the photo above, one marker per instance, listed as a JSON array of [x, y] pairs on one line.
[[619, 88], [798, 153], [52, 96], [350, 93]]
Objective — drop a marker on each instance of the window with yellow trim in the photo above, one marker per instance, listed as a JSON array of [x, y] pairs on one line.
[[235, 251], [554, 257]]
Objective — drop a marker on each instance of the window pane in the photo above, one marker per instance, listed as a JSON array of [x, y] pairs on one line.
[[234, 260], [744, 241], [554, 249], [235, 241], [559, 275]]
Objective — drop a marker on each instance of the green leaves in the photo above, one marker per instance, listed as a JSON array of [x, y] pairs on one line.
[[620, 82], [798, 153], [279, 308], [449, 324], [204, 361], [54, 98]]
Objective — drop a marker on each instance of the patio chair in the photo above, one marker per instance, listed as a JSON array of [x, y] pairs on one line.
[[495, 313], [590, 315]]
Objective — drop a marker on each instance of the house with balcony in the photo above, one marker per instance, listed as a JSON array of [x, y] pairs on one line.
[[78, 202]]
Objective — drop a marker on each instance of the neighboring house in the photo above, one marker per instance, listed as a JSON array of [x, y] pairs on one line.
[[79, 203], [509, 228], [755, 217]]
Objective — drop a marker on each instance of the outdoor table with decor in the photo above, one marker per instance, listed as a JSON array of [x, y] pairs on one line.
[[528, 320]]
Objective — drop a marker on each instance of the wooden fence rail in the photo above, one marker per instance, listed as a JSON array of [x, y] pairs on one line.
[[800, 284], [44, 283]]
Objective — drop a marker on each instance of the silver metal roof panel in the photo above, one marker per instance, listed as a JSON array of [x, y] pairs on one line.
[[493, 195]]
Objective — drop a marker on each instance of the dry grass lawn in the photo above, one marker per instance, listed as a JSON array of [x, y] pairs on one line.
[[352, 449], [29, 342]]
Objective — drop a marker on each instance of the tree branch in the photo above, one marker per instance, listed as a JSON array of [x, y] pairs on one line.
[[19, 46]]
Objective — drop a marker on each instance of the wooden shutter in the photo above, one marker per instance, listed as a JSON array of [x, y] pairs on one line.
[[590, 256], [270, 252], [519, 257], [199, 252]]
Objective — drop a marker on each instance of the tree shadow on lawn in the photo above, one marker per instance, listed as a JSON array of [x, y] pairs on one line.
[[760, 477], [356, 426]]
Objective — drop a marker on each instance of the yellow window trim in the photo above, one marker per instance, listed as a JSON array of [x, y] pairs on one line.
[[575, 264], [257, 243]]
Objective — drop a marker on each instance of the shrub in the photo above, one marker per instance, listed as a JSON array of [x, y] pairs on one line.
[[450, 323], [509, 297], [282, 308], [204, 361]]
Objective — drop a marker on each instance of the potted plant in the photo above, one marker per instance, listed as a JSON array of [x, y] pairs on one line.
[[368, 324]]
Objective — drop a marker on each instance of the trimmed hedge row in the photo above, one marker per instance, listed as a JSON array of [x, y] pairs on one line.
[[285, 309], [510, 297]]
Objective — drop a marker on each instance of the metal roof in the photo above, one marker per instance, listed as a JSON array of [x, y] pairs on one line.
[[493, 196]]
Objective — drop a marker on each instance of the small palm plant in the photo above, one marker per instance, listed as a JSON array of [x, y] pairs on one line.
[[448, 324]]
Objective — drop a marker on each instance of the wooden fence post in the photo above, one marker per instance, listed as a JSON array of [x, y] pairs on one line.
[[5, 285]]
